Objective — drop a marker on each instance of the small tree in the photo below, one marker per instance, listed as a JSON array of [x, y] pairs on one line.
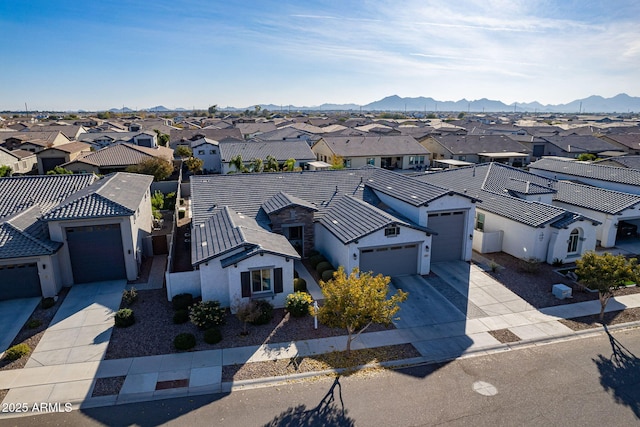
[[194, 164], [237, 163], [289, 165], [271, 165], [357, 301], [59, 170], [183, 151], [605, 273], [163, 138], [337, 162], [159, 168], [5, 171], [247, 312], [256, 165]]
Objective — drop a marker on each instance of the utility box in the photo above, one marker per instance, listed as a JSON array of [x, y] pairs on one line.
[[561, 291]]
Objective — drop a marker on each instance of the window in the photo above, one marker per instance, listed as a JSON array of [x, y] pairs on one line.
[[416, 160], [261, 280], [391, 231], [212, 151], [201, 152], [479, 221], [371, 161], [574, 238], [462, 158], [347, 163]]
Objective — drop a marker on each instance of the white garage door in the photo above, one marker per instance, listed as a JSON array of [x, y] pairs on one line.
[[390, 260], [448, 244]]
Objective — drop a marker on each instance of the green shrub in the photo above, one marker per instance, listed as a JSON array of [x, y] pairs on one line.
[[266, 312], [323, 266], [47, 302], [207, 314], [180, 316], [124, 318], [298, 304], [315, 260], [299, 285], [130, 296], [327, 275], [212, 336], [33, 323], [17, 351], [182, 301], [184, 341]]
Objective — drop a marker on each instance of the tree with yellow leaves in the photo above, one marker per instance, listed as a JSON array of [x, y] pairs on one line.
[[357, 301]]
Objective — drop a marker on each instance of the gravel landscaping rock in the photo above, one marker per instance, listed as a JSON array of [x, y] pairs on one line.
[[108, 386], [504, 336], [610, 318]]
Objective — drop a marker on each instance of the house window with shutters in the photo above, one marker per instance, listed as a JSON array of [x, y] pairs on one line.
[[261, 281]]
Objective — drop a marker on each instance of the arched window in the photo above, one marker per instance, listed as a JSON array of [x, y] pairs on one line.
[[574, 238]]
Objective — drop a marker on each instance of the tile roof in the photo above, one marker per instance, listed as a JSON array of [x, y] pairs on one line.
[[254, 149], [355, 146], [282, 200], [21, 192], [477, 144], [117, 194], [24, 235], [226, 231], [580, 143], [631, 162], [319, 188], [588, 170], [594, 198], [71, 147], [122, 155], [350, 219]]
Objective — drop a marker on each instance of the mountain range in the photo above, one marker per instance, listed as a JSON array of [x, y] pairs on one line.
[[621, 103]]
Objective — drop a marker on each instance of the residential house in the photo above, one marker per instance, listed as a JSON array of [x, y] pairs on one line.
[[32, 141], [116, 158], [20, 161], [184, 136], [72, 132], [625, 180], [476, 149], [208, 151], [516, 213], [251, 130], [249, 150], [628, 142], [389, 152], [49, 158], [63, 230], [244, 242], [574, 145]]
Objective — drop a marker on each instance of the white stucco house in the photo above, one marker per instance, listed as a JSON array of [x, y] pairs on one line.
[[247, 227]]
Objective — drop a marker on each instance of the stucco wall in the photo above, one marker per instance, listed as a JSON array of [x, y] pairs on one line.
[[187, 282]]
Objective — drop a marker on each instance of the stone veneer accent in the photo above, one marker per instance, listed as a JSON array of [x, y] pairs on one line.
[[295, 216]]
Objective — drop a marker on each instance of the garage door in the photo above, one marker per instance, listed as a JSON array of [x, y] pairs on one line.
[[96, 253], [49, 163], [447, 245], [390, 260], [19, 281]]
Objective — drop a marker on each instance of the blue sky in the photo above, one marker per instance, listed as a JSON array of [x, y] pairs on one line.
[[67, 55]]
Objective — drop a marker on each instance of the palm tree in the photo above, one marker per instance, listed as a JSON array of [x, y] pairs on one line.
[[256, 165], [271, 165]]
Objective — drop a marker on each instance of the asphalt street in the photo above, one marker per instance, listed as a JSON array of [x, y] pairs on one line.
[[584, 382]]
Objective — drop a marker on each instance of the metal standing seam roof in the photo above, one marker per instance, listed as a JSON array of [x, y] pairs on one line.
[[589, 170], [117, 194], [226, 231], [350, 219], [255, 149], [20, 192]]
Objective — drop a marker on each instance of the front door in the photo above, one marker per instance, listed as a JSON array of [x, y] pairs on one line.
[[295, 236]]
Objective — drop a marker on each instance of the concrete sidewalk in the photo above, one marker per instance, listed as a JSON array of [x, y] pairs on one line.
[[201, 372]]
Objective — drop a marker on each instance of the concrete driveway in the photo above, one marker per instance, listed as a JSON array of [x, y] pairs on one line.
[[13, 315], [425, 305], [81, 329]]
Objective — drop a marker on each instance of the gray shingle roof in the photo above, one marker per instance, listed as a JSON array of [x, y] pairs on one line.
[[350, 219], [117, 194], [226, 231], [588, 170], [359, 146], [282, 200], [254, 149], [19, 193]]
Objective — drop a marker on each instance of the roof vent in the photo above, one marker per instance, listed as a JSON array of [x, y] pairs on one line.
[[204, 243]]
